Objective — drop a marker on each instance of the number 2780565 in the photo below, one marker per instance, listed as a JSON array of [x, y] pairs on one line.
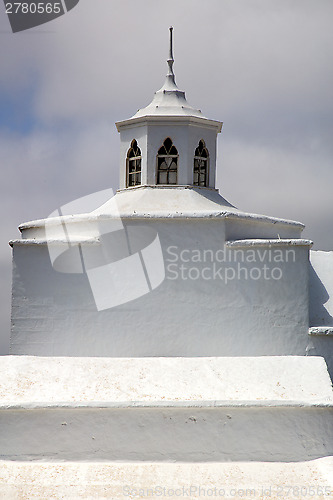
[[33, 8]]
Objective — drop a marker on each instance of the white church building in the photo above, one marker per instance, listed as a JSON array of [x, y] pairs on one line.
[[163, 338]]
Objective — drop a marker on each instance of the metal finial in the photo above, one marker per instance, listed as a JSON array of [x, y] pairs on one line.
[[170, 61]]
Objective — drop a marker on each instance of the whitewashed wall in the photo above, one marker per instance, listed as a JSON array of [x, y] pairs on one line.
[[55, 313], [321, 288], [321, 306]]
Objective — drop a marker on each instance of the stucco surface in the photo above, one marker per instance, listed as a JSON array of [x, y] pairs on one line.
[[321, 306], [70, 480], [264, 432], [55, 313], [50, 380], [321, 288], [205, 409]]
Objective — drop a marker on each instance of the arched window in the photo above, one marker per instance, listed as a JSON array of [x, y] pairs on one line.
[[133, 166], [200, 168], [167, 162]]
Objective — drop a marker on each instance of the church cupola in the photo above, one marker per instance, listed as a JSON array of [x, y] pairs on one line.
[[168, 143]]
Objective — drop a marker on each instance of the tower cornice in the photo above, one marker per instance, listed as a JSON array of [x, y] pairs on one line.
[[170, 120]]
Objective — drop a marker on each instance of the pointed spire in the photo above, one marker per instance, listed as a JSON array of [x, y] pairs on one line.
[[171, 60], [170, 82], [169, 100]]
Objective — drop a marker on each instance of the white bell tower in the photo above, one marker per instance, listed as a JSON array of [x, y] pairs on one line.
[[168, 143]]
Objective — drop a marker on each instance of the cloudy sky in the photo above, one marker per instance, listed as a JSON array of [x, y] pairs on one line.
[[263, 67]]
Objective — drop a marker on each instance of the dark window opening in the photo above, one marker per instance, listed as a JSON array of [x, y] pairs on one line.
[[200, 166], [134, 165], [167, 163]]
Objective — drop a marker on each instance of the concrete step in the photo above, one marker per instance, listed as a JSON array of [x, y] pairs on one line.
[[36, 380], [107, 480], [271, 409]]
